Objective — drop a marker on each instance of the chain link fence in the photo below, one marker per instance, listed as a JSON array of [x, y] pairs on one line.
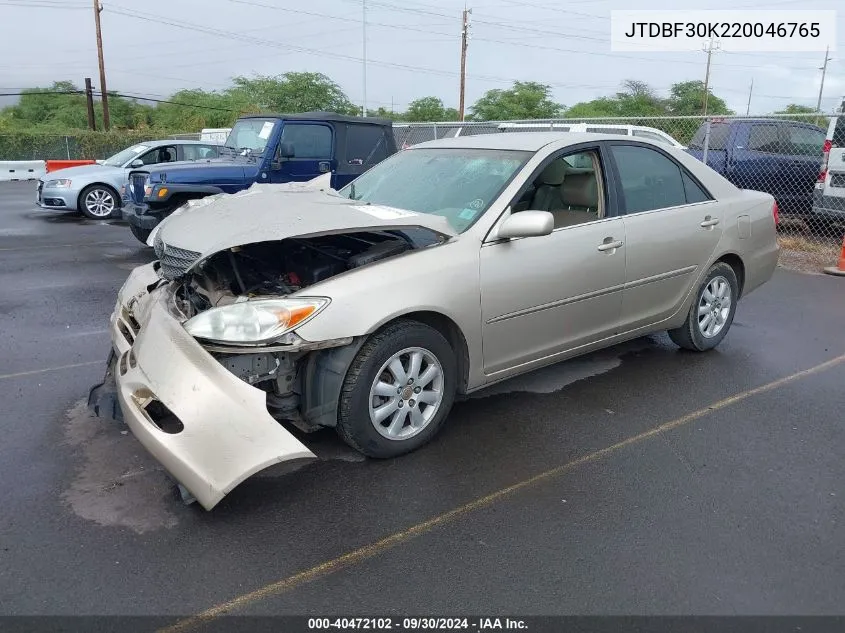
[[80, 146], [797, 158]]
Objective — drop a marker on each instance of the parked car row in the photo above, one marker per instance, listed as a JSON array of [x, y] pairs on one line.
[[368, 298]]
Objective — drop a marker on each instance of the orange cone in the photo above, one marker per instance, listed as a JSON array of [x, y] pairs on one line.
[[839, 269]]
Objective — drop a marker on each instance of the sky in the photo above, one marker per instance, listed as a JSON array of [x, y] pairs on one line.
[[155, 47]]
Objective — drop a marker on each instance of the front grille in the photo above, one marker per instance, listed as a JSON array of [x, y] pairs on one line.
[[175, 262], [136, 187]]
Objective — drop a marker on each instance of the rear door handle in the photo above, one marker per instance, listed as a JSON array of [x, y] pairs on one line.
[[610, 246], [708, 222]]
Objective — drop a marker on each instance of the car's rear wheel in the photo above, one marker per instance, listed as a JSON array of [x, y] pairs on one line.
[[98, 202], [712, 313], [398, 390], [140, 234]]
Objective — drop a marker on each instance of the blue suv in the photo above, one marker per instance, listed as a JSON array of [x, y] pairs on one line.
[[261, 148]]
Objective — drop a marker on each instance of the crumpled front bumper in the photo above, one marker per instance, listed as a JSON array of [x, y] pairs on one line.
[[226, 434], [139, 215]]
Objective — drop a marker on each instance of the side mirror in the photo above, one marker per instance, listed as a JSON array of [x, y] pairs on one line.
[[286, 150], [527, 224], [136, 163]]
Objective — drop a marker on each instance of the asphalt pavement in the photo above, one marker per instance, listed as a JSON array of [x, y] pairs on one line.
[[552, 494]]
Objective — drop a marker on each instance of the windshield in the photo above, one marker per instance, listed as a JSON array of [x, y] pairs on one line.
[[458, 184], [250, 136], [123, 157]]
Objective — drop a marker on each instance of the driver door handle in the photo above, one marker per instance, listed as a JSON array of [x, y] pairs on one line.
[[610, 246], [708, 222]]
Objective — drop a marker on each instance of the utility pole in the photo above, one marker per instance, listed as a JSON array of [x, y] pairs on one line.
[[824, 70], [89, 101], [103, 90], [750, 90], [464, 42], [364, 105], [709, 49]]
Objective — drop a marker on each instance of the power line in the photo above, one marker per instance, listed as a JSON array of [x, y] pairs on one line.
[[318, 52]]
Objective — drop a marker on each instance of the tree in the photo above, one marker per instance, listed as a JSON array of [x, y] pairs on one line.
[[293, 92], [429, 109], [795, 108], [636, 98], [61, 107], [525, 100], [198, 109], [687, 98]]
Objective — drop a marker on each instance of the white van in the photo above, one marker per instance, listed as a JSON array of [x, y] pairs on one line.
[[829, 194], [650, 133], [215, 134]]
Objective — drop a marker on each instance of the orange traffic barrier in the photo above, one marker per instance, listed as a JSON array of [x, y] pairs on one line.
[[839, 269], [54, 165]]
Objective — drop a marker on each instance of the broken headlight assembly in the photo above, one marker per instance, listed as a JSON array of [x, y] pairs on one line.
[[254, 322]]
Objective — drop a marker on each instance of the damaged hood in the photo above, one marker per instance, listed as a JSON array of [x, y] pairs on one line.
[[266, 212]]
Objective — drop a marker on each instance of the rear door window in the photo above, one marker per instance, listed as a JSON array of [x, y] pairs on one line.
[[198, 152], [365, 144], [651, 180]]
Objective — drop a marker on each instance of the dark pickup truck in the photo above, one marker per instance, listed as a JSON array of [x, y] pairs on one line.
[[264, 148], [775, 156]]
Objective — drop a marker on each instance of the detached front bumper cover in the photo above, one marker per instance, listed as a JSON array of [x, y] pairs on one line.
[[207, 428]]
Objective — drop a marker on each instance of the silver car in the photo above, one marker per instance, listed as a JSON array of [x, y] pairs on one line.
[[446, 268], [94, 189]]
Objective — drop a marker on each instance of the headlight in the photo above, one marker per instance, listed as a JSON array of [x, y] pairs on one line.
[[258, 321], [61, 182]]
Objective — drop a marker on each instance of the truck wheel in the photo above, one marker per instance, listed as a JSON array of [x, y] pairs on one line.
[[141, 234], [398, 390], [712, 312]]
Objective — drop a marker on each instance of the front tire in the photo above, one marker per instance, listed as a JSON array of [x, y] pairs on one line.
[[712, 313], [98, 202], [140, 234], [398, 390]]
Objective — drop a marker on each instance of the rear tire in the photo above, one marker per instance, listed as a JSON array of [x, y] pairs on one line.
[[141, 234], [711, 313], [398, 390]]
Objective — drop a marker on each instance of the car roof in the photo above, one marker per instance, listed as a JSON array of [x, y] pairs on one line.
[[321, 116], [171, 141], [524, 141]]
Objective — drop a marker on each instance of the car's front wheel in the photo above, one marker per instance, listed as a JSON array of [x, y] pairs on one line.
[[712, 313], [98, 202], [398, 390]]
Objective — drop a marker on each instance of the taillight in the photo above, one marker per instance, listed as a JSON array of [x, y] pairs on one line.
[[825, 157], [775, 213]]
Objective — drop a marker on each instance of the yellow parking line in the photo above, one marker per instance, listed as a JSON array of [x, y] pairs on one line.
[[32, 372], [398, 538]]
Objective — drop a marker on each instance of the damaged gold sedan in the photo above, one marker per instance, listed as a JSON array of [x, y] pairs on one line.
[[446, 268]]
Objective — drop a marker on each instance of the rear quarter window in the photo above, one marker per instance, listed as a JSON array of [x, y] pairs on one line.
[[838, 139]]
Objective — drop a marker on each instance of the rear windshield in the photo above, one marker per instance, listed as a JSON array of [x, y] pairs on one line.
[[718, 136]]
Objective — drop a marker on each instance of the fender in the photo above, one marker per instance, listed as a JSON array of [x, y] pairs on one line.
[[179, 189]]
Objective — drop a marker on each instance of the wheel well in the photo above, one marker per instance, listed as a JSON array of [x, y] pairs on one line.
[[450, 330], [735, 262], [117, 200]]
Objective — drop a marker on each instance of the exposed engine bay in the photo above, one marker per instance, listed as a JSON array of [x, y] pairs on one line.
[[274, 269], [282, 268]]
